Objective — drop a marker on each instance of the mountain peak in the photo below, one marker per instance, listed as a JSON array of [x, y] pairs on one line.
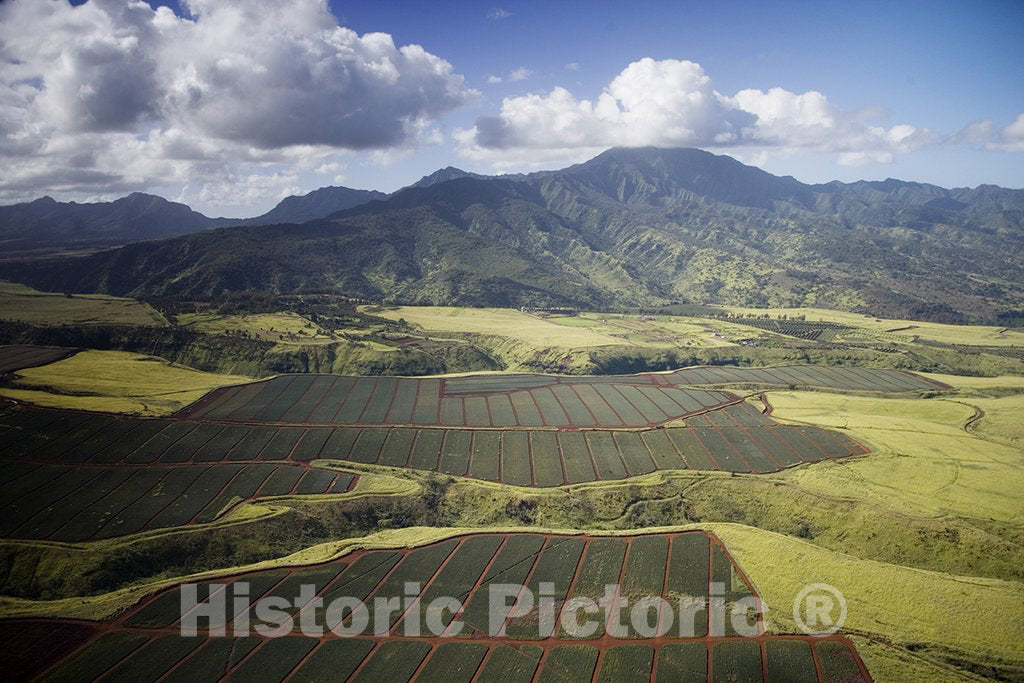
[[316, 204], [443, 175]]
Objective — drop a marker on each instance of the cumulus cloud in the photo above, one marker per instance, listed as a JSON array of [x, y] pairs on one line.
[[670, 103], [112, 91], [986, 133]]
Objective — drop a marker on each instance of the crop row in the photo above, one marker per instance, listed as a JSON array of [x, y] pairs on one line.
[[144, 644], [736, 438], [143, 658], [84, 502], [673, 566], [497, 402]]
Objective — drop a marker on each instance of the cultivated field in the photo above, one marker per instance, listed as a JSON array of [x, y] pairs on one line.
[[74, 503], [14, 358], [18, 302], [143, 644], [612, 401], [736, 438]]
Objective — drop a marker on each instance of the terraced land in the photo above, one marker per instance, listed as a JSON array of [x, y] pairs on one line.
[[520, 400], [70, 476], [486, 401], [694, 569], [735, 438], [17, 357]]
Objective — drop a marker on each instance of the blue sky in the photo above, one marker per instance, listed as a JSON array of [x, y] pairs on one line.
[[935, 65], [226, 106]]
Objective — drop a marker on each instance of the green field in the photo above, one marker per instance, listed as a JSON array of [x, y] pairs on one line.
[[900, 489], [24, 304]]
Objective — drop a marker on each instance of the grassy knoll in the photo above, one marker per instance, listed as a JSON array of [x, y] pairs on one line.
[[115, 382], [24, 304], [904, 330], [277, 327]]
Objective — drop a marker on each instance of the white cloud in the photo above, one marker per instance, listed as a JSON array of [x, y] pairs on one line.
[[102, 97], [572, 66], [494, 80], [498, 13], [520, 74], [671, 103], [986, 132]]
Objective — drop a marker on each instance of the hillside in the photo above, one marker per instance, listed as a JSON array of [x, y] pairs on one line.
[[47, 222], [316, 204], [629, 227]]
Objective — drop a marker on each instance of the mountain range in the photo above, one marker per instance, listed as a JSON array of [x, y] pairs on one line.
[[631, 227], [46, 222]]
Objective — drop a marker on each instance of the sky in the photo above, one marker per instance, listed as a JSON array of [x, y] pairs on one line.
[[231, 105]]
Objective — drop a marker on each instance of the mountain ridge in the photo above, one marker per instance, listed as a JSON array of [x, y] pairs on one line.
[[631, 227]]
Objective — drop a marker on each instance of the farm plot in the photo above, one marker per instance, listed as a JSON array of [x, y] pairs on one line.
[[817, 376], [485, 401], [17, 357], [90, 502], [735, 438], [469, 641]]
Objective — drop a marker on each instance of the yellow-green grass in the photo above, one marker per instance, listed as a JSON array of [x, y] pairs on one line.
[[924, 462], [661, 331], [115, 382], [1003, 382], [503, 322], [972, 335], [286, 327], [898, 604], [24, 304], [1002, 420]]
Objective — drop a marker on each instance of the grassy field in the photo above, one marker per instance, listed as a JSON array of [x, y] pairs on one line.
[[661, 331], [18, 302], [276, 327], [504, 322], [971, 335], [115, 382], [925, 464], [892, 603]]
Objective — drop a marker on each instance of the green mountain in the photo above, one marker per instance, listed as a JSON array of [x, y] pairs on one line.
[[313, 205], [629, 227], [47, 222]]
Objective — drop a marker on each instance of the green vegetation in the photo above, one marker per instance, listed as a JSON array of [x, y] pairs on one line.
[[922, 534], [277, 327], [114, 381], [24, 304], [631, 227]]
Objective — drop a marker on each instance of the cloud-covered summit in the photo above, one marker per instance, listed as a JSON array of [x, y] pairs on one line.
[[672, 103]]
